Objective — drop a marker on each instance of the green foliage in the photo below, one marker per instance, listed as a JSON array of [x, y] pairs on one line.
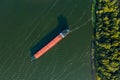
[[107, 39]]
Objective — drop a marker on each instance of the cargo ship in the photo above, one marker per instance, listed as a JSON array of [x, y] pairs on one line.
[[52, 43]]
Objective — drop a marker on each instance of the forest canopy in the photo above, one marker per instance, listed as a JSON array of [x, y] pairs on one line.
[[106, 21]]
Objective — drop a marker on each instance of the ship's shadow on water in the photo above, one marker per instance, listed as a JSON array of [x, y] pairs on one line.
[[62, 24]]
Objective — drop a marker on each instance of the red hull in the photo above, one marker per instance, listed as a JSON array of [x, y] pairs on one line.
[[48, 46]]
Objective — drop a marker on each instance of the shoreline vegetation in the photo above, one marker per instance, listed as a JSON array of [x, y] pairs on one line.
[[106, 39]]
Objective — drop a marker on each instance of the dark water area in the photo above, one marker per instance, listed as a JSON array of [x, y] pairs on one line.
[[25, 23]]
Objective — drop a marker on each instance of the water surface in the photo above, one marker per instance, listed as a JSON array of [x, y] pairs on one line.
[[24, 23]]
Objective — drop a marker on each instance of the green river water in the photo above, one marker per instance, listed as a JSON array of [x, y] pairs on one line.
[[23, 23]]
